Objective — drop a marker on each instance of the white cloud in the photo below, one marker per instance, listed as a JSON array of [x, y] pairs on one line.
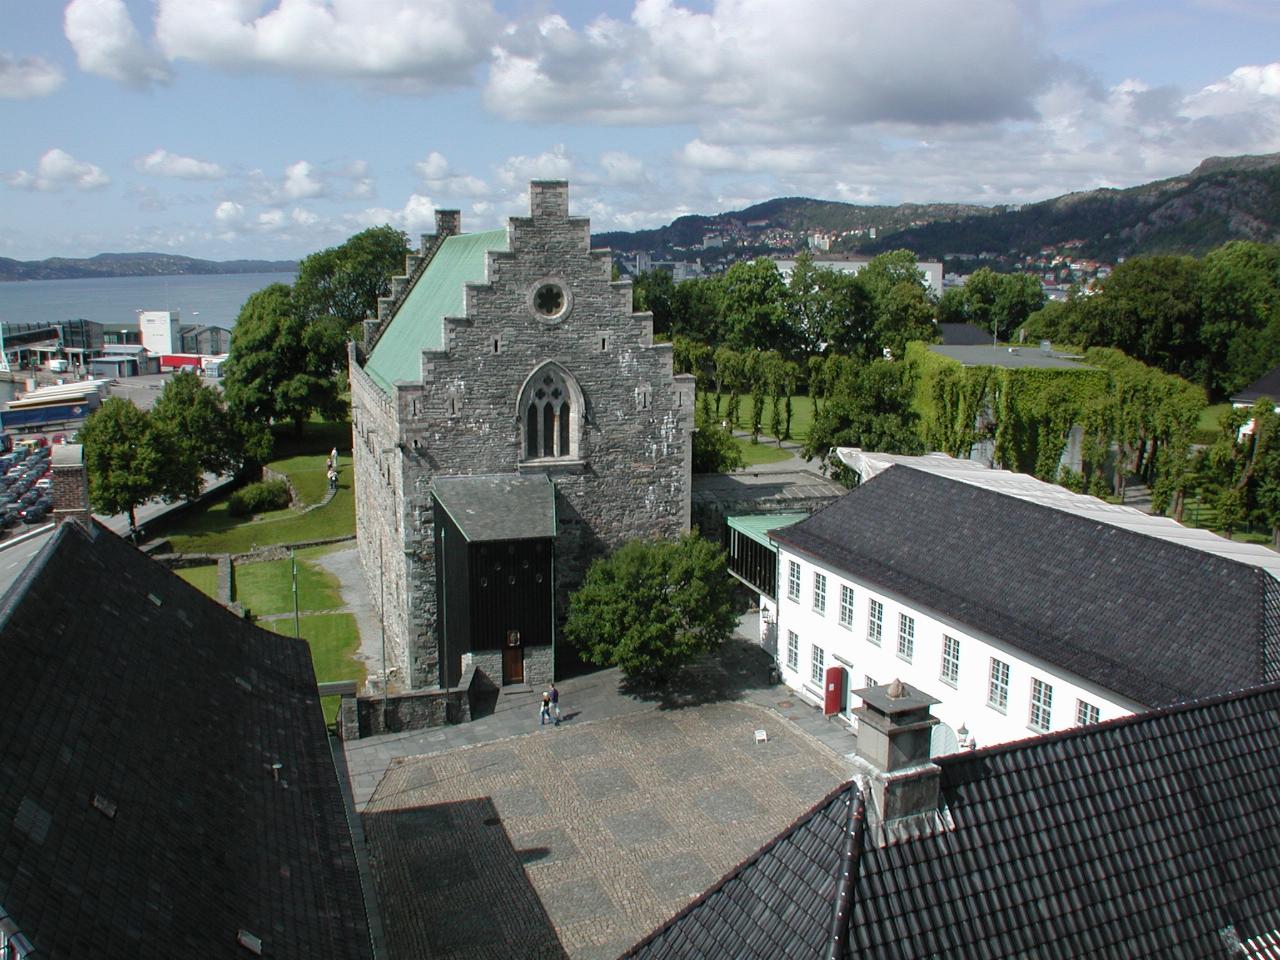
[[861, 61], [300, 182], [417, 44], [554, 164], [108, 44], [303, 218], [27, 78], [418, 215], [58, 169], [162, 163], [622, 169], [270, 220], [229, 214]]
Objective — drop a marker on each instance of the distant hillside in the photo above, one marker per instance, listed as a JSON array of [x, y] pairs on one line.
[[1224, 198], [794, 214], [133, 265]]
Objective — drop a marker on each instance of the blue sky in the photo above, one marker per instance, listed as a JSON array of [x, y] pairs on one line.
[[272, 128]]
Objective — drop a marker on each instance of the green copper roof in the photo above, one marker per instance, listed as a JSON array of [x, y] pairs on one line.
[[419, 323], [757, 525]]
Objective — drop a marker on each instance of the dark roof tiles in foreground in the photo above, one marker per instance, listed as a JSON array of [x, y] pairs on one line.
[[1151, 620], [1155, 835], [144, 813]]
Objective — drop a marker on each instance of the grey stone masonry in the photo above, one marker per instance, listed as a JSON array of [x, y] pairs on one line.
[[547, 372]]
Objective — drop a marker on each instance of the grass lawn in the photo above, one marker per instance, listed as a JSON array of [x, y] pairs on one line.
[[267, 587], [801, 416], [1207, 428], [762, 452], [214, 530], [334, 641], [204, 579]]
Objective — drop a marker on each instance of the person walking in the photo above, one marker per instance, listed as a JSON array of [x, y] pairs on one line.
[[544, 712], [333, 479], [555, 702]]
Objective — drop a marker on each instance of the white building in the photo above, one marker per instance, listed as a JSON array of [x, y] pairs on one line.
[[160, 330], [932, 269], [1022, 607]]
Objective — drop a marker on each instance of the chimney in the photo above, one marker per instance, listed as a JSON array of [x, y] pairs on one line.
[[448, 223], [549, 199], [895, 730], [70, 484]]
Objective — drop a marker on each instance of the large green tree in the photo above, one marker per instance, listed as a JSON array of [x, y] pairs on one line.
[[131, 459], [282, 368], [870, 406], [343, 283], [196, 412], [753, 308], [652, 607]]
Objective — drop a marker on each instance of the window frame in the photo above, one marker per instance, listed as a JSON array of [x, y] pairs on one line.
[[793, 651], [998, 682], [906, 636], [1087, 713], [875, 622], [819, 593], [951, 660], [846, 606], [793, 581], [817, 664], [1040, 714]]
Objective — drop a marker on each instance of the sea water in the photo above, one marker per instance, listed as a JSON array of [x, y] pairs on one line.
[[213, 300]]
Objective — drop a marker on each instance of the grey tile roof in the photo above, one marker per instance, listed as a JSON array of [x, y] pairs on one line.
[[500, 506], [963, 335], [1151, 620], [1155, 835], [139, 813], [1267, 385]]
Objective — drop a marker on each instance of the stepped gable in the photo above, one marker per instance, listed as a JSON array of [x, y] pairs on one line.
[[166, 784], [1152, 620], [1154, 835]]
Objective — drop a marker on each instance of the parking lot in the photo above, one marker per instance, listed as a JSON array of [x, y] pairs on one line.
[[26, 483]]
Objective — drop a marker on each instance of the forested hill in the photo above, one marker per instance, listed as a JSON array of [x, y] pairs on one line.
[[1224, 198], [133, 265]]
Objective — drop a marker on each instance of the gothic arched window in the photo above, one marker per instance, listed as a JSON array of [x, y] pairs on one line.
[[550, 413]]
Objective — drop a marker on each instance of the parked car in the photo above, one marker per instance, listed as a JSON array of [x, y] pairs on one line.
[[33, 514]]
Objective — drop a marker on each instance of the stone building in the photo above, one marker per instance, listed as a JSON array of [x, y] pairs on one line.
[[513, 419]]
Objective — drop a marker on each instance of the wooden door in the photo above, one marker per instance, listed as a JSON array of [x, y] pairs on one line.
[[513, 659]]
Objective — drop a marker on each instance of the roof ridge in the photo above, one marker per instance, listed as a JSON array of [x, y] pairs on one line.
[[1093, 729], [737, 871]]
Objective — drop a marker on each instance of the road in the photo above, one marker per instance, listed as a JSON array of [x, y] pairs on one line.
[[17, 551]]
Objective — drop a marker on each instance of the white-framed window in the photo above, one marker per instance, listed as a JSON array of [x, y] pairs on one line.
[[793, 580], [998, 686], [1041, 704], [793, 650], [875, 621], [1086, 713], [816, 657], [950, 660], [906, 637], [869, 682], [846, 606], [820, 594]]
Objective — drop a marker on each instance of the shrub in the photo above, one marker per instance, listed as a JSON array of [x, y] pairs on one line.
[[259, 498]]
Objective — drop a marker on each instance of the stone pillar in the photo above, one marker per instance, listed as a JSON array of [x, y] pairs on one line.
[[549, 199], [70, 484], [448, 223]]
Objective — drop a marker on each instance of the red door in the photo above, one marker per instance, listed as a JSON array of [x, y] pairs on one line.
[[834, 696]]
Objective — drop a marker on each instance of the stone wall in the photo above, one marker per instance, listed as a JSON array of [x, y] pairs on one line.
[[631, 427]]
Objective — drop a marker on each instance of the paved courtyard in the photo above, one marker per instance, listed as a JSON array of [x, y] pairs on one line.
[[576, 841]]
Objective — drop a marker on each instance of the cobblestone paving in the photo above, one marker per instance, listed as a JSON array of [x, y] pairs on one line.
[[579, 840]]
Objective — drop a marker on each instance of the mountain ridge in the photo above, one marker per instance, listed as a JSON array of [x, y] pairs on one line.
[[142, 264]]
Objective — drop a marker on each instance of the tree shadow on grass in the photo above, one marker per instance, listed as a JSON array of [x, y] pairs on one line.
[[726, 674]]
